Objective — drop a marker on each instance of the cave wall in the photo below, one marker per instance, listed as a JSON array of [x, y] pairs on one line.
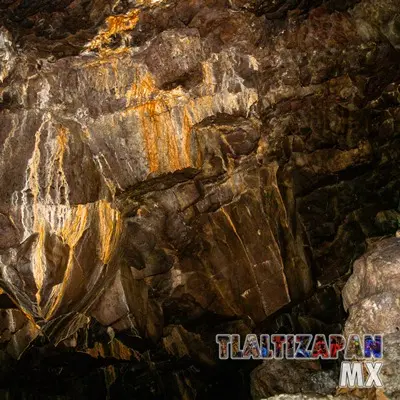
[[171, 169]]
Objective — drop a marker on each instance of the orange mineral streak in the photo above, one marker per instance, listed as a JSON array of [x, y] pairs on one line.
[[102, 63], [141, 91], [70, 233], [82, 218], [165, 124], [39, 264], [208, 79], [159, 137], [187, 126], [174, 158], [110, 227], [165, 118], [39, 261], [151, 133], [193, 112], [160, 132], [117, 24], [147, 3], [75, 225], [57, 162], [114, 349], [107, 72]]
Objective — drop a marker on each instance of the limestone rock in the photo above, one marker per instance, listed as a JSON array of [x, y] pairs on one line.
[[287, 376], [310, 397], [372, 292], [7, 54], [390, 376], [169, 168], [372, 296]]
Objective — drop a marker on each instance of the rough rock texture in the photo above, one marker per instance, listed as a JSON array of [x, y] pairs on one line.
[[390, 371], [310, 397], [174, 169], [372, 295], [291, 377]]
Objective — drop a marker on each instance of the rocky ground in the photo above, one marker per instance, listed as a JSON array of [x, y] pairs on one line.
[[173, 169]]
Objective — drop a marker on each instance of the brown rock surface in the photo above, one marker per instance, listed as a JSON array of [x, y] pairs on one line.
[[372, 292], [372, 295], [174, 169]]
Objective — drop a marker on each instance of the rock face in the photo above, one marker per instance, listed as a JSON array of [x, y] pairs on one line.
[[372, 295], [174, 169], [309, 397], [291, 377], [373, 291]]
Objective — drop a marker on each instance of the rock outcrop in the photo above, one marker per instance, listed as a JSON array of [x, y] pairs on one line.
[[292, 377], [174, 169], [372, 292], [372, 295]]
